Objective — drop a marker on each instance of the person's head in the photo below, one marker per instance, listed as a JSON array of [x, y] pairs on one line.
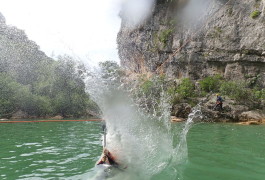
[[105, 151], [217, 95]]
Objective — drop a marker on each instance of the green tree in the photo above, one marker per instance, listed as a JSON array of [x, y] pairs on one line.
[[7, 95], [186, 89], [211, 83]]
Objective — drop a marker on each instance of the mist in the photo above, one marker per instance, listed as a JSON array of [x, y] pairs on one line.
[[196, 12], [136, 12]]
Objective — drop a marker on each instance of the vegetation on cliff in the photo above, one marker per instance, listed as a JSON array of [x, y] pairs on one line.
[[36, 84]]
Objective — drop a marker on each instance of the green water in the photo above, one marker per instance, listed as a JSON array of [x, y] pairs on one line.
[[69, 150]]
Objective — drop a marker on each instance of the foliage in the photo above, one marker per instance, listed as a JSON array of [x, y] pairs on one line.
[[164, 36], [59, 89], [7, 93], [161, 39], [152, 86], [259, 94], [36, 84], [211, 83], [110, 69], [255, 14], [147, 86], [236, 90], [186, 89]]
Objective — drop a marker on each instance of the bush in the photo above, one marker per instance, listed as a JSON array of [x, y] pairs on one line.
[[164, 35], [31, 103], [236, 90], [255, 14], [259, 94], [146, 87], [186, 89], [211, 83], [8, 89]]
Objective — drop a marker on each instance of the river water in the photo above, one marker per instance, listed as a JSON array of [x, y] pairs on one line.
[[69, 150]]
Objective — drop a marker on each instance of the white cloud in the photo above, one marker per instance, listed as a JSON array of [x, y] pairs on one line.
[[82, 27]]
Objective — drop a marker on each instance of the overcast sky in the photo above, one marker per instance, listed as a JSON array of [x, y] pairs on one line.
[[85, 28]]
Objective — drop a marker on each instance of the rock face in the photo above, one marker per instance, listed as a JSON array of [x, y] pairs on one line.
[[222, 38]]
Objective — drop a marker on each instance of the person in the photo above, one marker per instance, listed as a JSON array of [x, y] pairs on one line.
[[219, 101], [107, 158]]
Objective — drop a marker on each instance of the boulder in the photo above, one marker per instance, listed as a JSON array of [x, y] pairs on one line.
[[252, 116], [181, 110]]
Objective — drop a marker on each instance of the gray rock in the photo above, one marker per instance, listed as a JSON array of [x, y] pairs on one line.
[[227, 41], [252, 116], [181, 110]]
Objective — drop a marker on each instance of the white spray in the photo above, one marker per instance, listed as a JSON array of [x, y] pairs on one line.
[[135, 12]]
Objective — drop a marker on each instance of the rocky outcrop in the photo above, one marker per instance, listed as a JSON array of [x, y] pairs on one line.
[[232, 111], [252, 116], [181, 110], [222, 38]]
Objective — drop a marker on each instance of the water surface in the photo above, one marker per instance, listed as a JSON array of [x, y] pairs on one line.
[[69, 150]]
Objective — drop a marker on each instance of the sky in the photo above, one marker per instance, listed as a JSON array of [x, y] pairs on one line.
[[83, 28]]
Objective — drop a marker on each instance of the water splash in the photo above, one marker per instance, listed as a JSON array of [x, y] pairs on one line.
[[139, 129], [135, 12], [181, 151]]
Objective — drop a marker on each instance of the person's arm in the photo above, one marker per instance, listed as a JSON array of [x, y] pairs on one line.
[[102, 160]]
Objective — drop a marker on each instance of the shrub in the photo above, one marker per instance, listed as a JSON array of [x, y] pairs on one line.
[[186, 88], [236, 90], [146, 87], [211, 83], [259, 94], [255, 14], [164, 36]]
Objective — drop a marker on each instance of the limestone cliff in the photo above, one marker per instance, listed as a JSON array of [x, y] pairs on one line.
[[224, 37]]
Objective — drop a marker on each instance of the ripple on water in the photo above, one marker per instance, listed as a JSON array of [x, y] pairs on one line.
[[12, 157]]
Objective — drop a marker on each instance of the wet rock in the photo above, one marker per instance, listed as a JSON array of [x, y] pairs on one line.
[[181, 110], [176, 119]]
